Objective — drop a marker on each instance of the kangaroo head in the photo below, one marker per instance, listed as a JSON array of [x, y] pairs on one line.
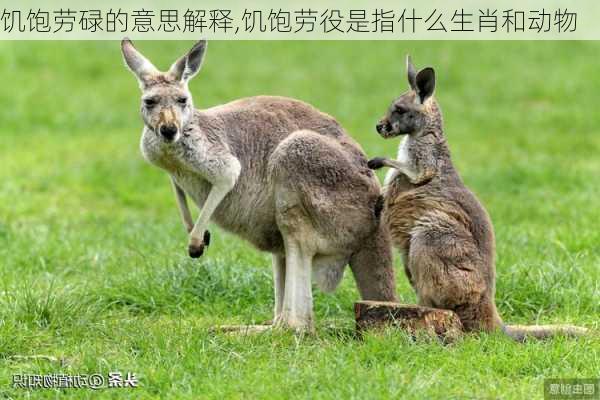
[[166, 100], [412, 111]]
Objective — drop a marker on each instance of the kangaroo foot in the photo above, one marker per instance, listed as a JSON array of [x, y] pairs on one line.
[[294, 323]]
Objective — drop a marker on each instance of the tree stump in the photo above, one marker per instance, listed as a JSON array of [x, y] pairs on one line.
[[413, 319]]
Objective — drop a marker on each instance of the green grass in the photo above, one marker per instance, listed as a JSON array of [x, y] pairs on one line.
[[93, 257]]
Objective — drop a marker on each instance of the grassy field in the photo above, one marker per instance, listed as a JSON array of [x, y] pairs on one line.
[[93, 261]]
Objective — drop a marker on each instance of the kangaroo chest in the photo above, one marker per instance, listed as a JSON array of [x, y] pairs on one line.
[[246, 210], [193, 185], [395, 177], [403, 150], [171, 159]]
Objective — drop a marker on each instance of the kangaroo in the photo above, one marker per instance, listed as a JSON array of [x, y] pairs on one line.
[[276, 172], [444, 234]]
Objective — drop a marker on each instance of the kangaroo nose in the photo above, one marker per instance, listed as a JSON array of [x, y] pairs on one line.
[[168, 131]]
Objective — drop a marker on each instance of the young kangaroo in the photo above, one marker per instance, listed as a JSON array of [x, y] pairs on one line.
[[444, 234], [275, 171]]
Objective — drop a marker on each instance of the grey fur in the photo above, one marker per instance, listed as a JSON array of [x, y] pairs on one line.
[[443, 232], [278, 173]]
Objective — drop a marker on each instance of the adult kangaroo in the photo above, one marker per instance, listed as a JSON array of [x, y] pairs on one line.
[[443, 232], [276, 172]]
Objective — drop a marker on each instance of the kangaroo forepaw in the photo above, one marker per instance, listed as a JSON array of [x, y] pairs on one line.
[[196, 247], [195, 251], [376, 163]]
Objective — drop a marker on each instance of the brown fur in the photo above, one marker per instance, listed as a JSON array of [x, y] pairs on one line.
[[443, 232], [278, 173]]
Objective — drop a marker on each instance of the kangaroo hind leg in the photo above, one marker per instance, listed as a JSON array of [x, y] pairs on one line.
[[297, 310]]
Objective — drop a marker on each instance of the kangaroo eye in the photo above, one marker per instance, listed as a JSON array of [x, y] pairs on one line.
[[150, 102], [182, 100]]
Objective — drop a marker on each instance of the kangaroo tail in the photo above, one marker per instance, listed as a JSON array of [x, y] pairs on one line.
[[521, 332], [373, 268]]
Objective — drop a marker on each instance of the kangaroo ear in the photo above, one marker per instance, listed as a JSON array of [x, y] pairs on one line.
[[136, 62], [187, 66], [412, 73], [425, 83]]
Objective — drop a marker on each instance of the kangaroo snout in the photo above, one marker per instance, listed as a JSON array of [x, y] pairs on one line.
[[383, 127], [168, 131]]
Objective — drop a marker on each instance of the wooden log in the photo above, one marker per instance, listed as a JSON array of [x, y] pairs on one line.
[[413, 319]]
